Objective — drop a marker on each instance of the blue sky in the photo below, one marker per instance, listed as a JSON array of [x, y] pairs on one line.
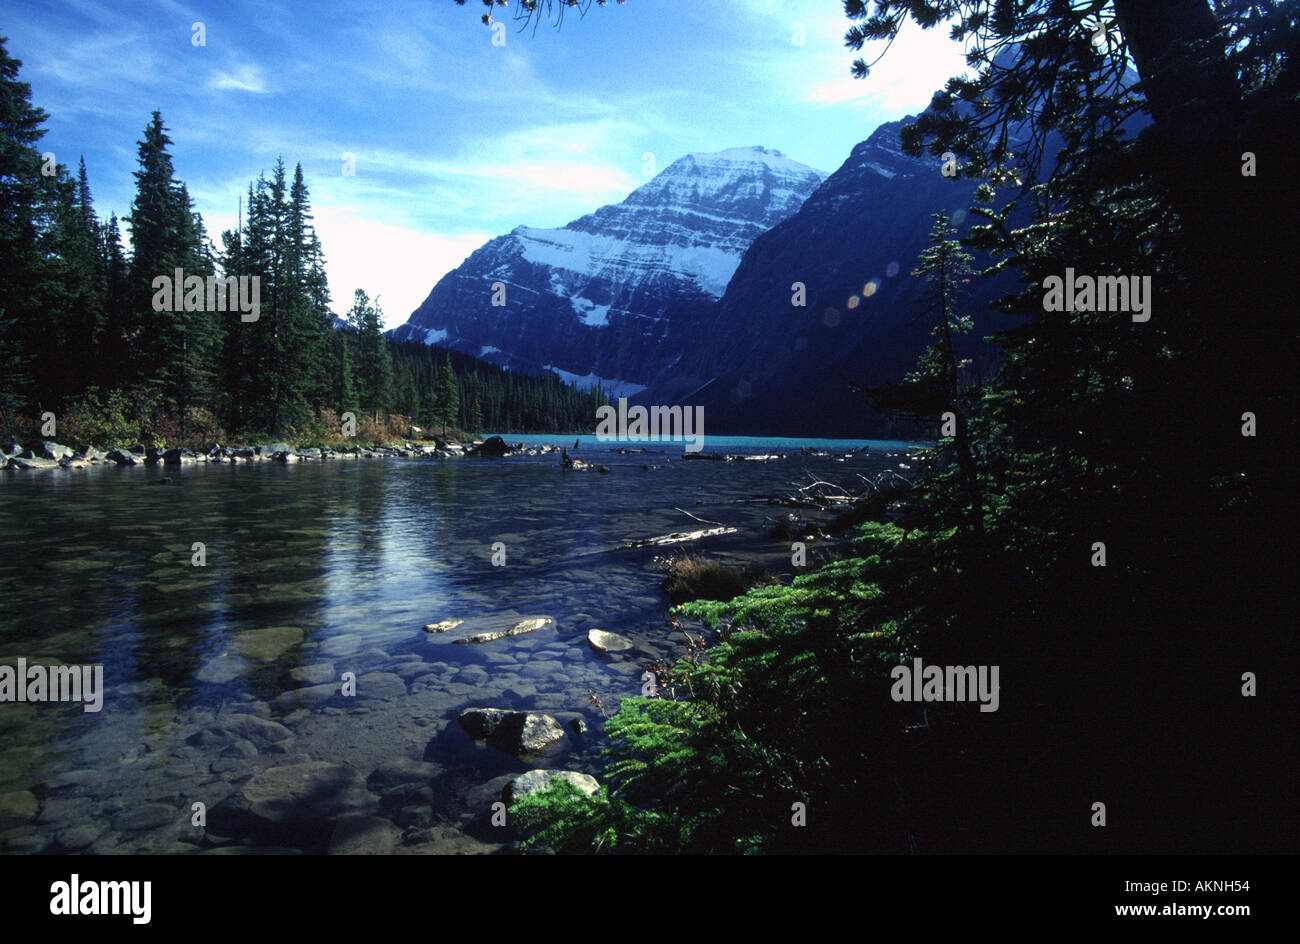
[[455, 139]]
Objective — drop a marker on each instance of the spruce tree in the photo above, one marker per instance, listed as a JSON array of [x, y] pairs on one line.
[[372, 361], [447, 403], [165, 236], [24, 213]]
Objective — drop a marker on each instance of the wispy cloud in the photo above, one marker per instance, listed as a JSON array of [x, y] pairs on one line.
[[240, 79]]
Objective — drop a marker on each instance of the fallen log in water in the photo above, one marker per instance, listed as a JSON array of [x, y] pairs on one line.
[[680, 537]]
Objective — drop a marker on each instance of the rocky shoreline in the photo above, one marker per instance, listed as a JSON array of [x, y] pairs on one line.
[[48, 454]]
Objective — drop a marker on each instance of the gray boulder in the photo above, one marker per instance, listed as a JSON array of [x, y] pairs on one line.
[[537, 780], [492, 447], [479, 723], [19, 462], [518, 733]]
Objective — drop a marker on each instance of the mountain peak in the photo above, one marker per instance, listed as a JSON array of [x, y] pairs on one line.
[[616, 294], [740, 160]]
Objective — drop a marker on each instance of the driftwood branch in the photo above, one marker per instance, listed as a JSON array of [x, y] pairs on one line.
[[680, 537], [877, 483], [700, 520]]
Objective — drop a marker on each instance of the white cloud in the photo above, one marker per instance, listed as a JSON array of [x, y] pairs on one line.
[[914, 67], [241, 79], [397, 263]]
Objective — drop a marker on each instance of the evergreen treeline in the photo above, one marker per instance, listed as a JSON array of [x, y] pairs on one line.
[[1104, 521], [489, 398], [82, 336]]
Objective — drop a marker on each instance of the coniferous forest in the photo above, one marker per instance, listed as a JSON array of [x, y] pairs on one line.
[[80, 336]]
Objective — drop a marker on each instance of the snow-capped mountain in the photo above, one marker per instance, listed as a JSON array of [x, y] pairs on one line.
[[616, 295], [763, 364]]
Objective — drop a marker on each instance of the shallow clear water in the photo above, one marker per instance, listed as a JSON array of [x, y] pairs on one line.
[[329, 568]]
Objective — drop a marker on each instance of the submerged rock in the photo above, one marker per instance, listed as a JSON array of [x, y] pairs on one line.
[[380, 686], [358, 834], [146, 816], [309, 696], [16, 808], [293, 800], [400, 772], [266, 645], [247, 650], [232, 728], [224, 668], [343, 645], [320, 673]]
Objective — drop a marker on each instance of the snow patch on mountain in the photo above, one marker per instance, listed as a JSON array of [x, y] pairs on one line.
[[615, 388], [592, 315]]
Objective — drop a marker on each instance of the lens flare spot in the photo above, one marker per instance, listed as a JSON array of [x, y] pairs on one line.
[[853, 302], [891, 270], [870, 288]]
